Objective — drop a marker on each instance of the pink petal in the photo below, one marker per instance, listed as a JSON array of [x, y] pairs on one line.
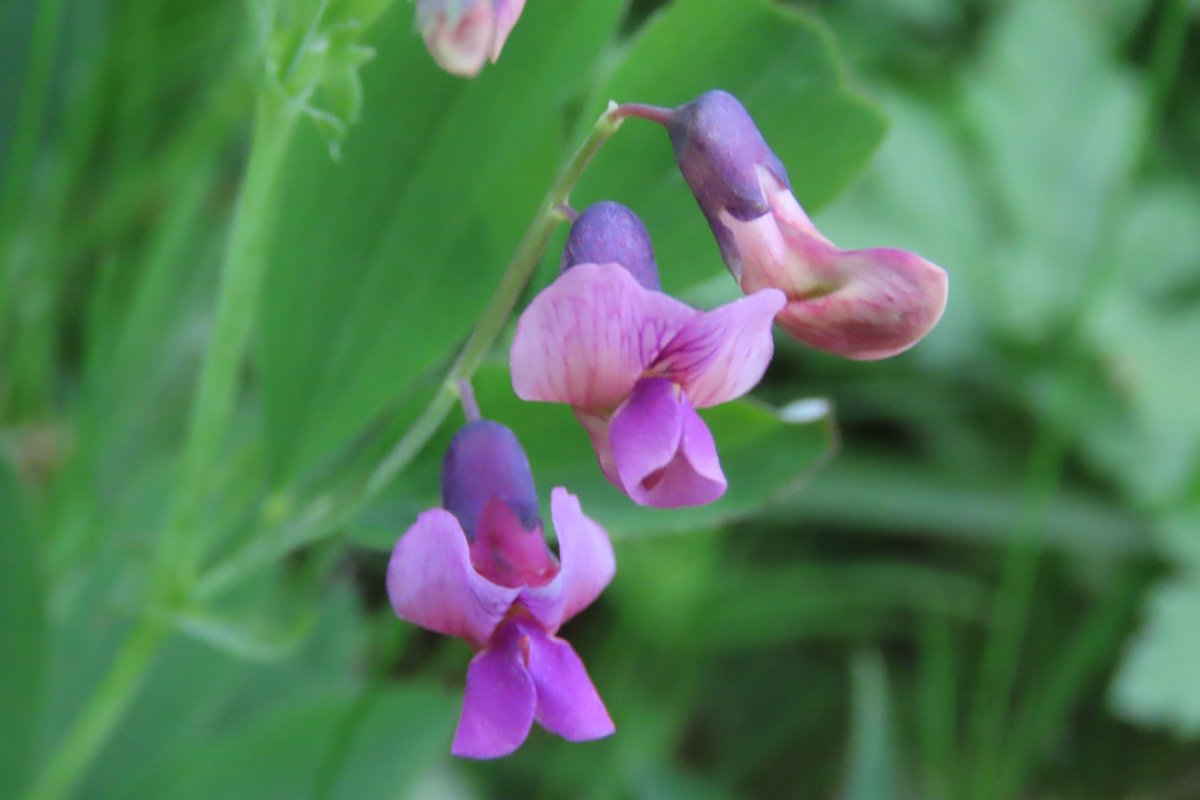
[[860, 304], [722, 354], [587, 564], [587, 337], [498, 708], [431, 582], [458, 39], [507, 13], [663, 452], [567, 701], [889, 301]]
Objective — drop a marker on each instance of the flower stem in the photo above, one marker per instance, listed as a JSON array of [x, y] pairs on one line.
[[466, 398], [520, 269], [653, 113], [241, 279], [104, 710], [241, 282], [317, 521]]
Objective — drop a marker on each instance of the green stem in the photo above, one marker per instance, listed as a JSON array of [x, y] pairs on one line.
[[315, 522], [104, 710], [241, 282], [241, 278], [1010, 617]]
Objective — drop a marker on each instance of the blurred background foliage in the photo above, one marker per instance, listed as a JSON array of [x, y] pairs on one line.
[[978, 578]]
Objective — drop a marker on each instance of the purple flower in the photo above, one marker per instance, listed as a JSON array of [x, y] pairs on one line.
[[462, 34], [479, 569], [861, 304], [635, 364]]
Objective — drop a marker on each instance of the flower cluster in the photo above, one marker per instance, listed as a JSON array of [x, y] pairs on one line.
[[634, 364]]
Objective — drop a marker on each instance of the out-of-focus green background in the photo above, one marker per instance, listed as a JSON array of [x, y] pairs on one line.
[[978, 579]]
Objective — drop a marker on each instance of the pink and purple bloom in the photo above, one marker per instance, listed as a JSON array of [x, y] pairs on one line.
[[479, 569], [462, 34], [861, 304], [635, 364]]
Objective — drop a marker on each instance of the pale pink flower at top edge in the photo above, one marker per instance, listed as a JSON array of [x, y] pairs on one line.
[[860, 304], [480, 570], [635, 364], [462, 35]]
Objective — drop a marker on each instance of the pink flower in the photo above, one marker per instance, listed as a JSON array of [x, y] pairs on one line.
[[462, 34], [634, 364], [861, 304], [480, 570]]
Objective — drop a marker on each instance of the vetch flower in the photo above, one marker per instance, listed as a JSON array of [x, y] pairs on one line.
[[462, 34], [635, 364], [480, 570], [861, 304]]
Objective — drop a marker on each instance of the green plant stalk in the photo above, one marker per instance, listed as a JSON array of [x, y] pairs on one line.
[[269, 544], [1010, 617], [238, 296], [241, 279], [104, 710]]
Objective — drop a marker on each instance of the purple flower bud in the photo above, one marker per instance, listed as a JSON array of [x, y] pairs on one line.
[[610, 233], [485, 463], [861, 304], [462, 34], [719, 149]]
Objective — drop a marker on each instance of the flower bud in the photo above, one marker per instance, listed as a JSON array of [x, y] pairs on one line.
[[610, 233], [860, 304], [462, 34], [485, 462]]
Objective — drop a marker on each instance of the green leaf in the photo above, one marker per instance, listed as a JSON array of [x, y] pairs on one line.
[[404, 733], [383, 261], [781, 64], [764, 458], [22, 636], [1156, 684]]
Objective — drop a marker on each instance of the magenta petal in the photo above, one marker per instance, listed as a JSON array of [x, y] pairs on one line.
[[567, 701], [663, 452], [498, 707], [587, 337], [721, 354], [431, 582], [587, 564]]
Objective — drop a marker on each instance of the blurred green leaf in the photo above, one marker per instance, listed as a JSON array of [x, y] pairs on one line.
[[1156, 684], [404, 734], [22, 636], [1062, 124]]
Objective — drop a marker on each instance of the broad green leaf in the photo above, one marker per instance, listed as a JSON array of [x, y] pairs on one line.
[[1061, 123], [383, 261], [785, 69], [22, 636], [763, 456], [1156, 684], [404, 732]]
